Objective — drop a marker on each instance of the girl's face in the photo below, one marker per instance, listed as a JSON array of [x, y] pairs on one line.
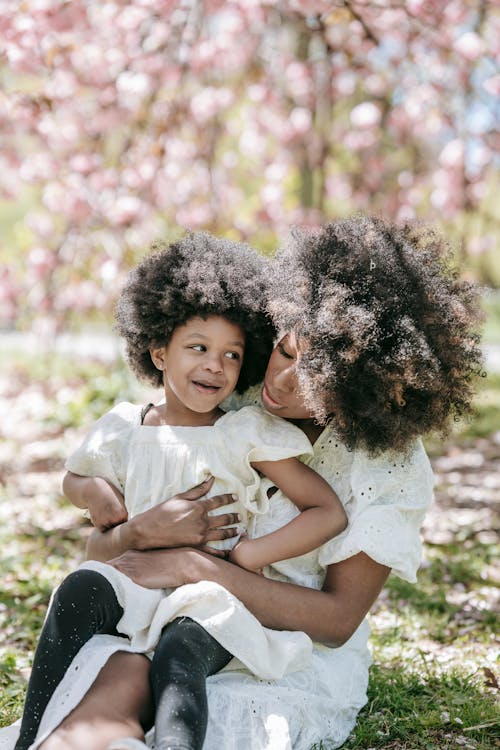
[[280, 393], [201, 365]]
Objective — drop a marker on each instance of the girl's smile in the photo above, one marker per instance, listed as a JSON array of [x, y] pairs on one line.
[[201, 365]]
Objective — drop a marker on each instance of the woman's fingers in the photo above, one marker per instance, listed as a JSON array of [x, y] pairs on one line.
[[198, 491], [215, 535], [218, 501], [214, 552], [224, 519]]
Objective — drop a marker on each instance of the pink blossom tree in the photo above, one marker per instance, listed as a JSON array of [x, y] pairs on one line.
[[133, 119]]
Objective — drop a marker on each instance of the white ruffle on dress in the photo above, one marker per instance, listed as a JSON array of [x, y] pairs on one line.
[[385, 498]]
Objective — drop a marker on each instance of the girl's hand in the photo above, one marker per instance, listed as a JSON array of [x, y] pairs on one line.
[[243, 555], [107, 509]]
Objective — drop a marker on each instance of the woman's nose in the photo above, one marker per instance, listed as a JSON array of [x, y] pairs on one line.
[[285, 379]]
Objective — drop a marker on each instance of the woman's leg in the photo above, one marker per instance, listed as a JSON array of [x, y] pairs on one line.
[[184, 657], [84, 604], [118, 705]]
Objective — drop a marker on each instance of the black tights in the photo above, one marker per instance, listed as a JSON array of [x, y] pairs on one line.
[[85, 605], [184, 657]]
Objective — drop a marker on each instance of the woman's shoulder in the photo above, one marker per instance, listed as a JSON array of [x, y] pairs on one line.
[[395, 462]]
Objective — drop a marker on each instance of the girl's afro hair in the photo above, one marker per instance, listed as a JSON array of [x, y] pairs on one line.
[[200, 275], [390, 333]]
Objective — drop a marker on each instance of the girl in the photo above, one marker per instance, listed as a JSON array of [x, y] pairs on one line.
[[191, 320]]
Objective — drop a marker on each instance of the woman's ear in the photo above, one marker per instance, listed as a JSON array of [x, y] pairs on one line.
[[158, 357]]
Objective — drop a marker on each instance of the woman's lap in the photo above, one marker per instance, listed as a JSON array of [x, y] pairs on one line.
[[303, 707]]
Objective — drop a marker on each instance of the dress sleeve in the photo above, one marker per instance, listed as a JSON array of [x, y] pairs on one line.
[[259, 436], [271, 438], [390, 495], [104, 449]]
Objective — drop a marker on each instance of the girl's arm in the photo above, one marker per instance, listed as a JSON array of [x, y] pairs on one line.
[[103, 501], [330, 616], [322, 516]]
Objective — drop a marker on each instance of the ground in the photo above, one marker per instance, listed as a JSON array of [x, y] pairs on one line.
[[434, 682]]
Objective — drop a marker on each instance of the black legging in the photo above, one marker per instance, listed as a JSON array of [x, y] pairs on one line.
[[184, 657], [84, 605]]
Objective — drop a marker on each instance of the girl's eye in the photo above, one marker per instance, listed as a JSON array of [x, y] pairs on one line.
[[284, 352], [232, 355], [198, 348]]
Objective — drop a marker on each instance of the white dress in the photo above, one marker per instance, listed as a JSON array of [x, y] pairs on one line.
[[385, 498], [151, 463]]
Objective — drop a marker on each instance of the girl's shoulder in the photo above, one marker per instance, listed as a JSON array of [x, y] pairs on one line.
[[126, 412], [122, 418]]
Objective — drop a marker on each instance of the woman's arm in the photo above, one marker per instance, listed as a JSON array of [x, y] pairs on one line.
[[322, 516], [177, 522], [330, 616]]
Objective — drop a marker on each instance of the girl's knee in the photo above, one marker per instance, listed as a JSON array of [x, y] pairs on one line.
[[81, 587]]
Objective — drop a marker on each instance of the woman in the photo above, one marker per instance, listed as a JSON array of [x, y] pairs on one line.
[[379, 344]]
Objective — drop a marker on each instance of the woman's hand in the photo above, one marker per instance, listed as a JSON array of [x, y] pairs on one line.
[[184, 521], [159, 568], [181, 521], [329, 616]]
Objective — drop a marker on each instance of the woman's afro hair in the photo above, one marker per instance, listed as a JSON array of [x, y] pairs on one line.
[[390, 333], [200, 275]]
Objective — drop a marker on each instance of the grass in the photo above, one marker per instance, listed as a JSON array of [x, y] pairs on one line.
[[433, 682]]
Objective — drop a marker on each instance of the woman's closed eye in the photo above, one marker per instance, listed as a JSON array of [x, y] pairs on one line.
[[284, 352]]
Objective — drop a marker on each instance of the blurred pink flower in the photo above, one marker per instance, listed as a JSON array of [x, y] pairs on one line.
[[124, 210], [452, 155], [300, 120], [365, 115], [492, 85], [40, 262], [469, 45]]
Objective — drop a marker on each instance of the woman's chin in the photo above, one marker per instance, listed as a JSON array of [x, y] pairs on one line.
[[269, 403]]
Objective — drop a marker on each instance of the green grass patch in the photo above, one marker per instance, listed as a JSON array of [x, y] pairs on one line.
[[412, 710]]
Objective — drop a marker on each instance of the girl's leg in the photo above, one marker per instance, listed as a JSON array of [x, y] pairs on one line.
[[84, 604], [118, 705], [184, 657]]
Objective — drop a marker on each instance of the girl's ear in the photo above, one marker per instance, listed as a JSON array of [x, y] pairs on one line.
[[158, 357]]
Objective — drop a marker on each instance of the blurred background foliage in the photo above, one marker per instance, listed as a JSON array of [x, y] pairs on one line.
[[125, 121]]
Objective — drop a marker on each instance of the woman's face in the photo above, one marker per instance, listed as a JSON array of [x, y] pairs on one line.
[[280, 393]]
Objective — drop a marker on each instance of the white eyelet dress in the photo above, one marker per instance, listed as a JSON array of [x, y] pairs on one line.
[[385, 498]]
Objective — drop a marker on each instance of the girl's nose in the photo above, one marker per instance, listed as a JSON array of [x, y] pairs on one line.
[[213, 363]]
